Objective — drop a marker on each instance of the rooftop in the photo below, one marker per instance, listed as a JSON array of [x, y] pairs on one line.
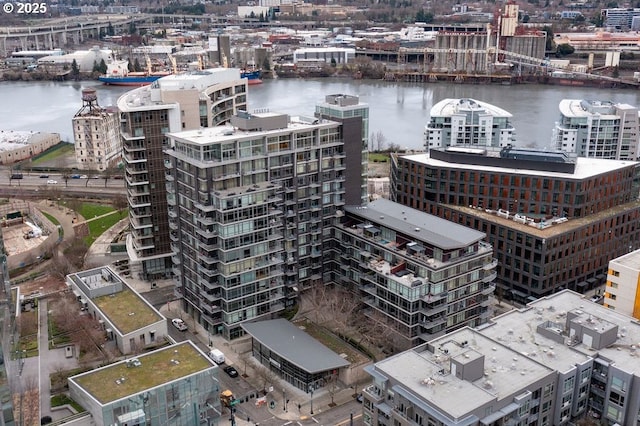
[[132, 376], [418, 225], [429, 374], [585, 167], [630, 260], [448, 107], [127, 310], [150, 97], [517, 329], [294, 345], [588, 108], [16, 139]]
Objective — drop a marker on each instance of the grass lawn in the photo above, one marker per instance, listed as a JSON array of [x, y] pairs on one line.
[[60, 150], [378, 157], [98, 226], [62, 399], [51, 218]]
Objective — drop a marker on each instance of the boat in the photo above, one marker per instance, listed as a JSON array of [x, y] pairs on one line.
[[118, 74], [254, 76]]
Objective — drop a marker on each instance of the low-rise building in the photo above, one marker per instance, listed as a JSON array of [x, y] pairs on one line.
[[177, 384], [559, 359], [337, 55], [128, 319], [21, 145], [294, 355]]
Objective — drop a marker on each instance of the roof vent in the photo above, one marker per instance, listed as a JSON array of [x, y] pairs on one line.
[[417, 229]]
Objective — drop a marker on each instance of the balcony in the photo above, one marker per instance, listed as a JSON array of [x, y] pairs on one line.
[[433, 310], [176, 260], [488, 290], [177, 272], [490, 277], [206, 220], [205, 207], [207, 233], [491, 265]]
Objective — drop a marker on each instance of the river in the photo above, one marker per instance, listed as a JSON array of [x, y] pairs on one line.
[[398, 111]]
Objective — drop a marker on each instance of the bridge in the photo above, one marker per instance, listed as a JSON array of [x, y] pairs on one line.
[[57, 33]]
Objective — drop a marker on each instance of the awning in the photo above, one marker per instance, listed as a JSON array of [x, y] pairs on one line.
[[582, 284]]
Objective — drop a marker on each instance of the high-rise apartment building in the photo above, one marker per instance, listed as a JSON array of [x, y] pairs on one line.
[[553, 221], [418, 274], [619, 17], [467, 122], [250, 207], [178, 102], [622, 292], [558, 360], [96, 134], [598, 129], [354, 117]]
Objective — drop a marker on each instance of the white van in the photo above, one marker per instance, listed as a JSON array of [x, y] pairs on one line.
[[217, 356]]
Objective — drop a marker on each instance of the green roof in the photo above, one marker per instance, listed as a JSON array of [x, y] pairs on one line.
[[153, 369], [127, 311]]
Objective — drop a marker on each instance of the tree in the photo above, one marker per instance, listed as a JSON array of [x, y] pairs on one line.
[[333, 63], [549, 43], [265, 377], [130, 66], [102, 67], [565, 49], [120, 203], [75, 71], [378, 141], [266, 65]]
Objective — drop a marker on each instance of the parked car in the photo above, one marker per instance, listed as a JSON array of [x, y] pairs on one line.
[[179, 324], [75, 176], [359, 398], [16, 176], [44, 176], [232, 372], [51, 182]]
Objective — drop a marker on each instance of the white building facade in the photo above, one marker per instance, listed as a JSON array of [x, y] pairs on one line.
[[467, 122], [622, 293], [599, 129]]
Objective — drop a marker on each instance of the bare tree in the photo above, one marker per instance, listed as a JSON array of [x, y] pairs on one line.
[[378, 141], [332, 387], [120, 203], [265, 377], [244, 359]]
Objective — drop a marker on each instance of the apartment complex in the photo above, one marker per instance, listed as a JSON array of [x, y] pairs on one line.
[[96, 134], [175, 385], [178, 102], [420, 275], [598, 129], [559, 359], [554, 222], [622, 292], [250, 206], [467, 122]]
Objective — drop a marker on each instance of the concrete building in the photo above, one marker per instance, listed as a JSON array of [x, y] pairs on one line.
[[21, 145], [467, 122], [554, 222], [557, 360], [127, 319], [339, 55], [622, 293], [598, 129], [250, 206], [177, 384], [420, 275], [295, 356], [178, 102], [96, 134]]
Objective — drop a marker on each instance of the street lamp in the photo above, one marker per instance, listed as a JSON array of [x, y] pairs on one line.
[[311, 390]]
